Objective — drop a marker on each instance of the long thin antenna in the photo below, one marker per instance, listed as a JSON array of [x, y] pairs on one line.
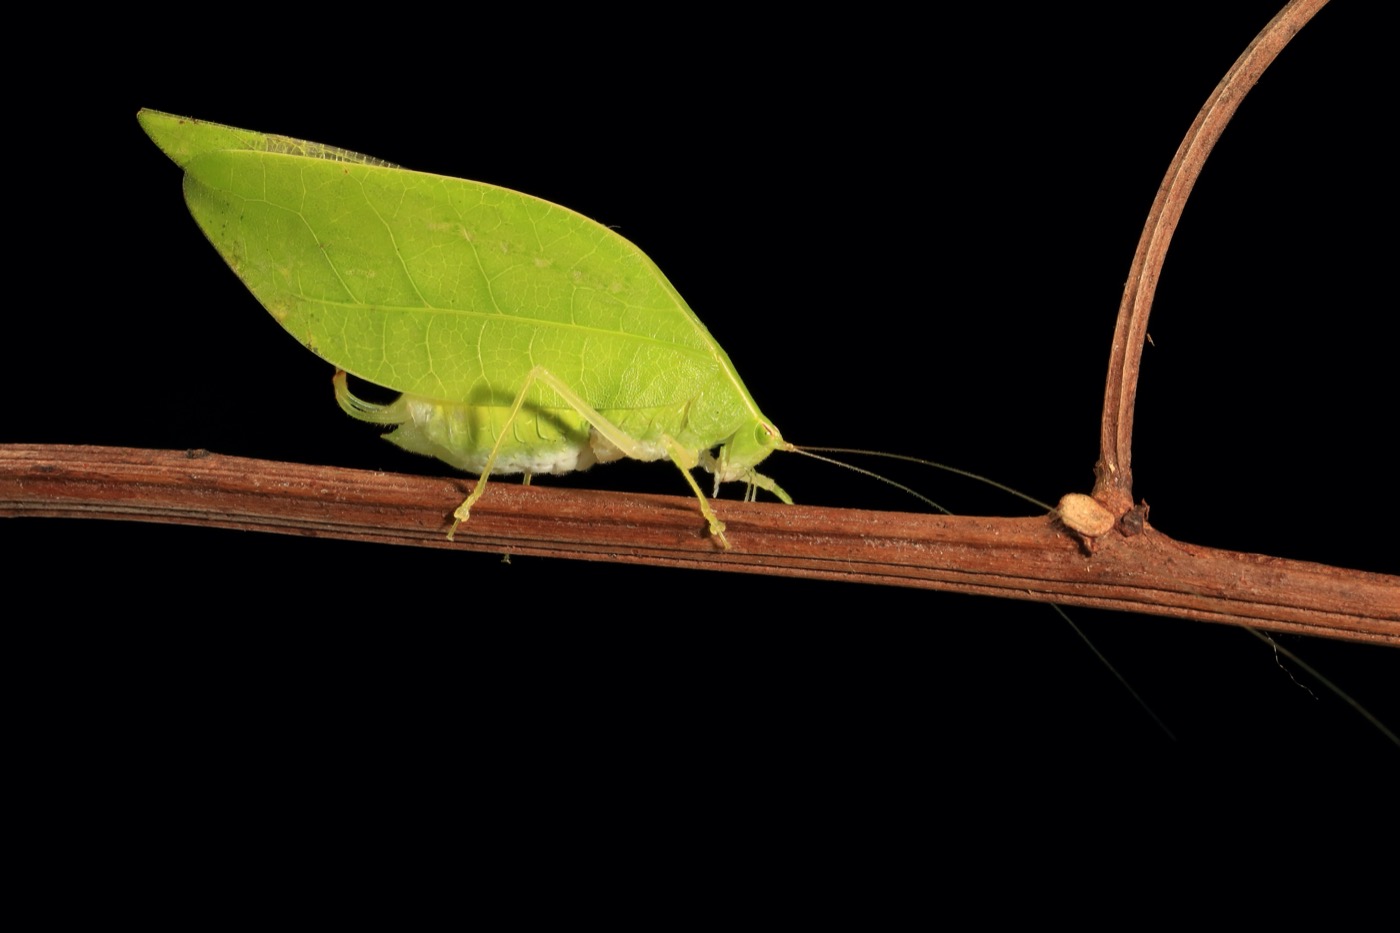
[[812, 452], [1340, 694]]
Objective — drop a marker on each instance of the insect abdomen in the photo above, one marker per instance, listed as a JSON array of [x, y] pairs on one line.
[[462, 435]]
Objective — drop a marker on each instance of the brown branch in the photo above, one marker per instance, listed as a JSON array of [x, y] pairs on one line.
[[1114, 486], [1018, 558]]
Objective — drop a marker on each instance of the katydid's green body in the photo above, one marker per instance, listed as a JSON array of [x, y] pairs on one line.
[[523, 336]]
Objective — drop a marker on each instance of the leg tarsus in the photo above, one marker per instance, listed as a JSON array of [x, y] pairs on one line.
[[464, 511]]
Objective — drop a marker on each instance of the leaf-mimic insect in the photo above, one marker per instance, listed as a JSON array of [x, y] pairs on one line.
[[524, 337]]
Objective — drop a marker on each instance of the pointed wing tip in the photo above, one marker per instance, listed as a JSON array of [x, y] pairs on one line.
[[185, 138], [173, 134]]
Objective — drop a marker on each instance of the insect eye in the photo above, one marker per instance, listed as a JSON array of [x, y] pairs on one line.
[[767, 436]]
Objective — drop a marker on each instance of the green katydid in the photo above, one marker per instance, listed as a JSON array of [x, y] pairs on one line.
[[524, 337]]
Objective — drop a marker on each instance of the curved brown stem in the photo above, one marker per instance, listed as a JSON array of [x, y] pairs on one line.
[[1114, 486]]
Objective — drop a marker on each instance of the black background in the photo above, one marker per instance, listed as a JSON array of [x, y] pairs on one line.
[[906, 240]]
